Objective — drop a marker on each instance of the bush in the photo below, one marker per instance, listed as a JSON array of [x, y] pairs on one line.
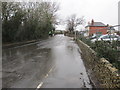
[[108, 50], [27, 21]]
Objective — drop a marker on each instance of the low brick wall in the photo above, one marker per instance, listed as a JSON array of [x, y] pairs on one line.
[[100, 71]]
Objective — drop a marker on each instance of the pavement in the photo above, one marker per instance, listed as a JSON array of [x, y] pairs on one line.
[[52, 63]]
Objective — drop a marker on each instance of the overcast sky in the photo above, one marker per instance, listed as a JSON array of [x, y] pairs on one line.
[[105, 11]]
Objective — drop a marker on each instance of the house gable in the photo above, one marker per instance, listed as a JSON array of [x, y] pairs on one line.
[[96, 27]]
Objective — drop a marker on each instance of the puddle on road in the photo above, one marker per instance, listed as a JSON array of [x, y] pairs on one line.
[[25, 67], [56, 58], [68, 67]]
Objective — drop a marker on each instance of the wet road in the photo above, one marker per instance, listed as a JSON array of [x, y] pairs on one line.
[[51, 63]]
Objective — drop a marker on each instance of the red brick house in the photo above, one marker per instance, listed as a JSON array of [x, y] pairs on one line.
[[96, 28]]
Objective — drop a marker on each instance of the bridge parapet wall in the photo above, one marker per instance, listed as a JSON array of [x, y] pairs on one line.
[[102, 73]]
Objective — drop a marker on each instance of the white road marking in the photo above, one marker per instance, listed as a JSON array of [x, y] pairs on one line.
[[39, 86], [50, 70], [46, 76]]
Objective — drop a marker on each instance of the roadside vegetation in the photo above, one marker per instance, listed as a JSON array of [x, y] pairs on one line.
[[108, 50], [23, 21]]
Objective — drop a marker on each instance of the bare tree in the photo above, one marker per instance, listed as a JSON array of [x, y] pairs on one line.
[[73, 22]]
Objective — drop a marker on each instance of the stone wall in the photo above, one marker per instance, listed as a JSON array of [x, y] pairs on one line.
[[100, 71]]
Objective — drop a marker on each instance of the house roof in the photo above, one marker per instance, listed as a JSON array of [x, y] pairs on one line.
[[96, 24]]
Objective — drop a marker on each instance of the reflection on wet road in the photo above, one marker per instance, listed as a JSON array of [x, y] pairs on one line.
[[52, 63]]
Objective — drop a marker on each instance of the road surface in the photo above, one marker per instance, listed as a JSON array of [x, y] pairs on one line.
[[52, 63]]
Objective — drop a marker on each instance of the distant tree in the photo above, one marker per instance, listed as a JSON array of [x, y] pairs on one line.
[[73, 22]]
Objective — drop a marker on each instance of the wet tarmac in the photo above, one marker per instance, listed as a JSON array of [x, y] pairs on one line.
[[52, 63]]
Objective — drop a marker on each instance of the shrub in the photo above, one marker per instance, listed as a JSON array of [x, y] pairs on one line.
[[108, 50]]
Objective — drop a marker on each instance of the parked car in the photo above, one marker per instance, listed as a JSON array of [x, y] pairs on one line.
[[107, 37], [95, 36]]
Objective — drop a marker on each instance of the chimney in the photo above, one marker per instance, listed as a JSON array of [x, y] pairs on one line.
[[88, 23], [92, 22]]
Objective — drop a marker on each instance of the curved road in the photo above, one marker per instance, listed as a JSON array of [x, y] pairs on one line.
[[51, 63]]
